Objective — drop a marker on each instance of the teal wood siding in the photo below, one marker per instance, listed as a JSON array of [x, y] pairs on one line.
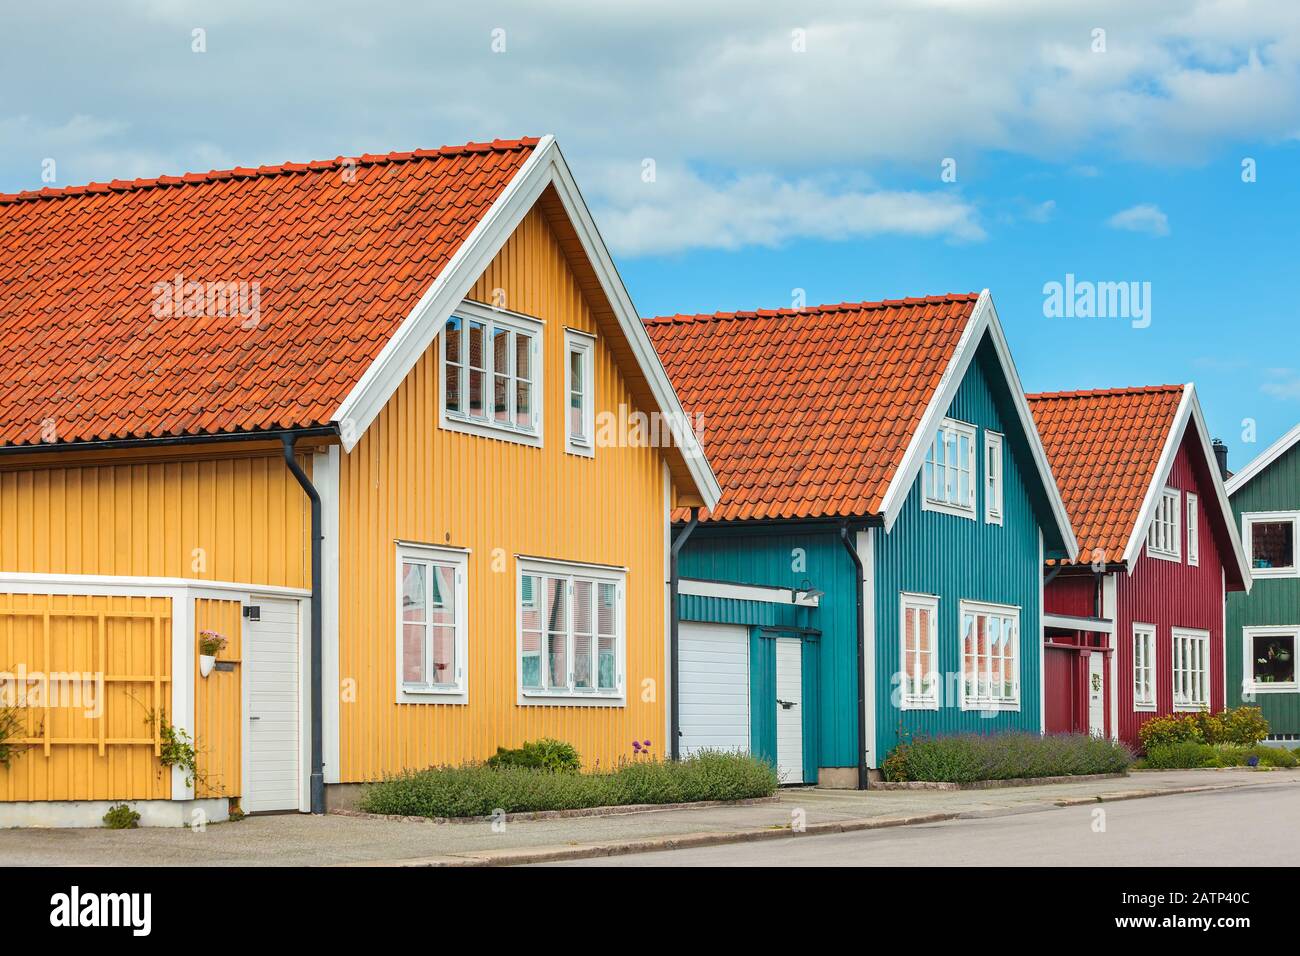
[[1272, 601], [958, 559], [762, 699], [788, 555]]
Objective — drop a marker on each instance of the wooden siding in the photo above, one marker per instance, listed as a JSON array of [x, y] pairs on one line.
[[409, 479], [959, 559], [105, 747], [1171, 594], [1272, 601], [218, 709]]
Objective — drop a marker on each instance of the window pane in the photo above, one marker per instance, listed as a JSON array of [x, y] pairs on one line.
[[583, 674], [501, 375], [477, 383], [530, 616], [413, 592], [1274, 658], [451, 371], [413, 653], [524, 404], [524, 356], [607, 636], [1272, 544], [443, 616], [557, 636]]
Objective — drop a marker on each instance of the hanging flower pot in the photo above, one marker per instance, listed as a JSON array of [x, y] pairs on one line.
[[210, 645], [206, 663]]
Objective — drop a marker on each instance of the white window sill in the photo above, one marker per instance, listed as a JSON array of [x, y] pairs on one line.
[[581, 449], [546, 698], [1144, 708], [1164, 556], [432, 695], [990, 707], [1289, 687], [993, 519], [1191, 708], [919, 705], [486, 429], [943, 507], [1258, 573]]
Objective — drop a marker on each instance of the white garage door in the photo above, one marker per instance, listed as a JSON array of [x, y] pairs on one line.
[[714, 676], [274, 714]]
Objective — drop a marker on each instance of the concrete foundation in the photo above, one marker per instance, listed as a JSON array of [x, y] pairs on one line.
[[78, 814], [343, 796], [837, 778]]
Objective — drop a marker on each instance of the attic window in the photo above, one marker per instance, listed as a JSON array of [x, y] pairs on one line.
[[491, 374], [948, 478], [1163, 538]]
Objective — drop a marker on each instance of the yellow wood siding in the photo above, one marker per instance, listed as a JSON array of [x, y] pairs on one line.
[[408, 479], [108, 750], [217, 703], [227, 516]]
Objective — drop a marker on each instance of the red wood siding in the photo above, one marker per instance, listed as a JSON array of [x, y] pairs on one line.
[[1170, 595], [1071, 593]]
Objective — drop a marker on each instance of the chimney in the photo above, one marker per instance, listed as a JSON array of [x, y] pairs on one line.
[[1221, 456]]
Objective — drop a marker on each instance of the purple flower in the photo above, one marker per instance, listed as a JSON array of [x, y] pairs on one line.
[[1252, 761], [647, 743]]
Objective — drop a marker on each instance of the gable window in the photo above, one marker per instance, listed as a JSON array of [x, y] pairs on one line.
[[992, 478], [948, 477], [1191, 669], [919, 623], [572, 622], [1270, 538], [579, 392], [1144, 667], [1163, 535], [1193, 531], [1270, 659], [990, 656], [431, 624], [491, 374]]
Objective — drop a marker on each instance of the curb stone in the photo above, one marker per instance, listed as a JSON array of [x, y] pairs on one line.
[[559, 814]]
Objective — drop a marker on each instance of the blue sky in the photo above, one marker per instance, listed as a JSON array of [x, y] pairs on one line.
[[791, 147]]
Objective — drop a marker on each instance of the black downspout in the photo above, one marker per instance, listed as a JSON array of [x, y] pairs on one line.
[[317, 704], [675, 730], [863, 782]]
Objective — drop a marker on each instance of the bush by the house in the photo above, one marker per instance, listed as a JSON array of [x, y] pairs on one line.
[[965, 758], [1192, 755], [1243, 726], [479, 790], [548, 753], [1181, 755], [121, 817]]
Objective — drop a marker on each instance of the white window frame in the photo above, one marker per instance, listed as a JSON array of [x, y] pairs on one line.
[[528, 696], [994, 478], [1144, 660], [985, 609], [912, 698], [1169, 508], [1193, 530], [1189, 665], [929, 470], [1249, 518], [493, 319], [1248, 635], [585, 345], [411, 552]]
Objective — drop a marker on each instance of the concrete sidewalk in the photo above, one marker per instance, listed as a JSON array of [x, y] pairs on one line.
[[301, 840]]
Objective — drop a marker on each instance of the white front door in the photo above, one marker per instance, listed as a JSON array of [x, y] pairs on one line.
[[789, 709], [713, 680], [273, 710], [1096, 695]]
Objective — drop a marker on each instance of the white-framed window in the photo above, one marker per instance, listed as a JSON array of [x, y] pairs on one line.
[[492, 374], [1270, 539], [990, 656], [992, 478], [1163, 537], [948, 478], [1193, 530], [1144, 666], [579, 393], [572, 622], [919, 646], [432, 631], [1191, 669], [1269, 665]]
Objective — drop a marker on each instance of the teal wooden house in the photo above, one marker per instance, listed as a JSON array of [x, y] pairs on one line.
[[1263, 627], [874, 566]]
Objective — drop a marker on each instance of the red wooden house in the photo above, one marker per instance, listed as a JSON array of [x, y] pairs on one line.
[[1134, 627]]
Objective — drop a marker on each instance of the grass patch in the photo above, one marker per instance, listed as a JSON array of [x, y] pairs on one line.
[[477, 790], [966, 758]]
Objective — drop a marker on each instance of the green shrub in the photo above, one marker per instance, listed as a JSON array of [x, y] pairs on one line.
[[1244, 725], [1182, 755], [121, 817], [547, 754], [1210, 727], [1172, 729], [479, 790], [1271, 756], [965, 758]]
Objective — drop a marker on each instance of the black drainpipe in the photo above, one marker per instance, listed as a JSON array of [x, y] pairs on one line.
[[863, 782], [674, 628], [317, 678]]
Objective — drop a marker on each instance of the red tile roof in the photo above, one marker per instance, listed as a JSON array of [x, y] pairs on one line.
[[340, 251], [1104, 447], [808, 412]]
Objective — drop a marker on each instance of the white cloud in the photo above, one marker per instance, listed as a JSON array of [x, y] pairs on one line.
[[1144, 217], [1285, 384]]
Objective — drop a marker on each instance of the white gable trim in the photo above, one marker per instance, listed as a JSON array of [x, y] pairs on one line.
[[1270, 455], [983, 318], [1189, 411], [545, 167]]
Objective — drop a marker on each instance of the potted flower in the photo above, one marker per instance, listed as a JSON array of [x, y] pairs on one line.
[[210, 645]]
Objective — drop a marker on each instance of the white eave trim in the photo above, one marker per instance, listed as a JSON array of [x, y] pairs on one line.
[[1189, 411], [1263, 460], [746, 592], [545, 167], [1070, 622], [983, 317]]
